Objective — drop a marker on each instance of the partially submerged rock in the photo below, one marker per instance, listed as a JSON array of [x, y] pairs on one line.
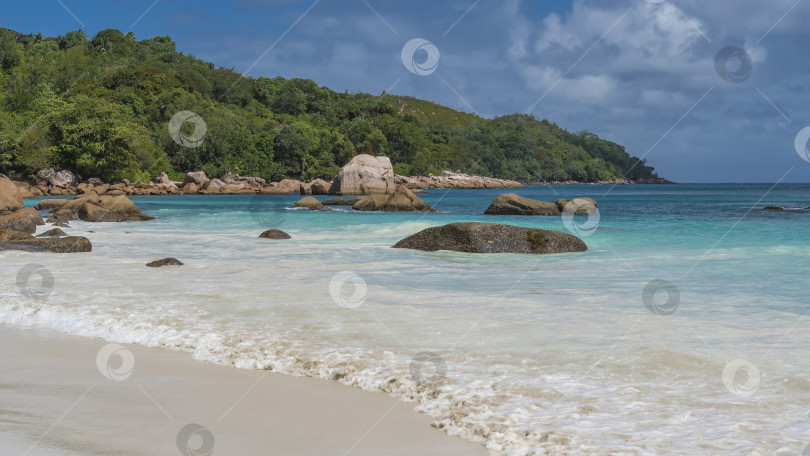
[[165, 262], [475, 237], [69, 244], [55, 232], [577, 206], [274, 234], [365, 175], [336, 202], [48, 204], [11, 235], [402, 200], [512, 204], [309, 203]]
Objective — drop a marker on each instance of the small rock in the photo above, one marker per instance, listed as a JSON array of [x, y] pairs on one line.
[[274, 234], [165, 262], [309, 203], [774, 208]]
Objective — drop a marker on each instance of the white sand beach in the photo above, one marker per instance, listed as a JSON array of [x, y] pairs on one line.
[[56, 401]]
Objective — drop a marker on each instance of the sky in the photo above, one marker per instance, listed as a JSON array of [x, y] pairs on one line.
[[705, 91]]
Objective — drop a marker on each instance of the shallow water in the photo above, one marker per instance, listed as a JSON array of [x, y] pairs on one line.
[[554, 354]]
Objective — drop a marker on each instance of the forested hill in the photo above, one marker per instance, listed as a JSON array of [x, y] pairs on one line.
[[102, 107]]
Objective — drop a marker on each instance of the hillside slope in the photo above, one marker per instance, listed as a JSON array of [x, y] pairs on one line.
[[103, 107]]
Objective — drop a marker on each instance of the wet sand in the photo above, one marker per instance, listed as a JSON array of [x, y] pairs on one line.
[[56, 400]]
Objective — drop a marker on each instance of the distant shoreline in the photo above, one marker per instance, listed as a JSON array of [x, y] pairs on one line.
[[255, 186]]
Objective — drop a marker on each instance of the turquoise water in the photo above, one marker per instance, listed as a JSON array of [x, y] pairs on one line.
[[558, 354]]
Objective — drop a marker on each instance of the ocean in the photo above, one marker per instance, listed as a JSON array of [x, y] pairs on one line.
[[681, 331]]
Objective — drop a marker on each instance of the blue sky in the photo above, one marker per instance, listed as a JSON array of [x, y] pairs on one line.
[[638, 72]]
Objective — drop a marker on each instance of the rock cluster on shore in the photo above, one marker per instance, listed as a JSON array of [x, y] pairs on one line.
[[363, 175], [449, 179], [93, 208], [475, 237]]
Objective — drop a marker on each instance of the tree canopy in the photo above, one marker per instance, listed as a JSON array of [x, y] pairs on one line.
[[102, 106]]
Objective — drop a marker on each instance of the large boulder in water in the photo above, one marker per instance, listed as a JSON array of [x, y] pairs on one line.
[[475, 237], [512, 204], [365, 175], [10, 197]]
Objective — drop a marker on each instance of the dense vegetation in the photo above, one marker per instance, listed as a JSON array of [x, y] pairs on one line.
[[101, 107]]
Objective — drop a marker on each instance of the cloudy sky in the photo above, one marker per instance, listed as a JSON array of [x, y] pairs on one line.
[[706, 91]]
